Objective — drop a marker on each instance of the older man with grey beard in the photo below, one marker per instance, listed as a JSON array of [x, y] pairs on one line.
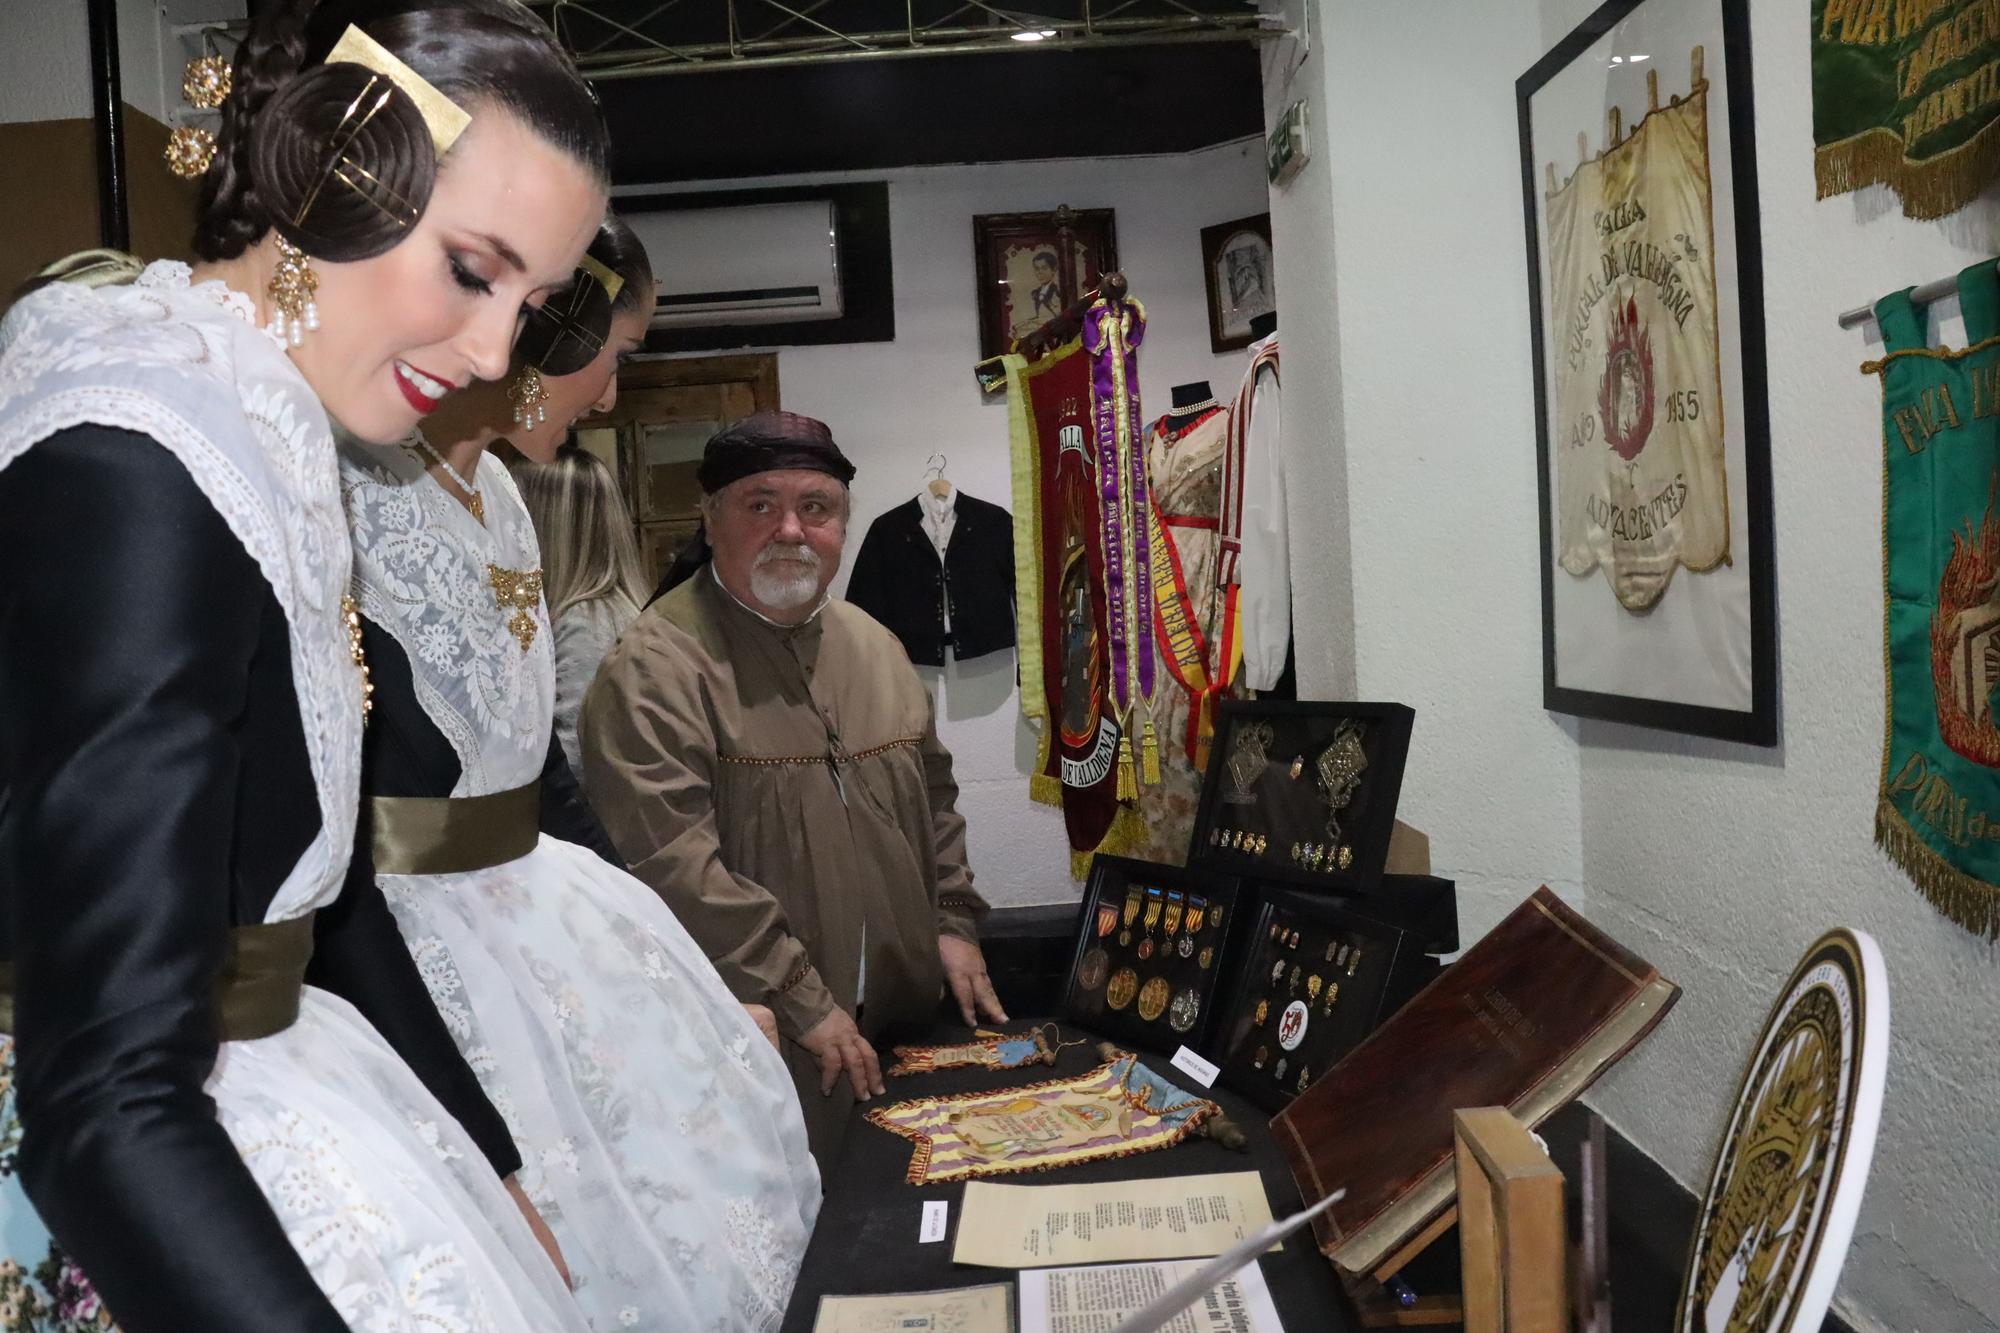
[[767, 760]]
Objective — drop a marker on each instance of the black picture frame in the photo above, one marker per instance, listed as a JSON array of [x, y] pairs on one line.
[[1299, 727], [1081, 242], [1758, 723], [1230, 324], [1086, 999], [1292, 929]]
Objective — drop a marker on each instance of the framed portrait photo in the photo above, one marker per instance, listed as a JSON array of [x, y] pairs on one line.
[[1032, 266], [1242, 282], [1645, 282]]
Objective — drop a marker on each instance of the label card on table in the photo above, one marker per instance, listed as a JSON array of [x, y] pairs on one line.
[[1054, 1299], [1033, 1226], [1196, 1068], [937, 1215]]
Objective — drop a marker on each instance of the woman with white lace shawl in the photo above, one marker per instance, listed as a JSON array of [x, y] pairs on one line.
[[215, 1144], [662, 1138]]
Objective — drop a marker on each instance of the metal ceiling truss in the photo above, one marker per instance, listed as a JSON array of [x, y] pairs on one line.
[[624, 39]]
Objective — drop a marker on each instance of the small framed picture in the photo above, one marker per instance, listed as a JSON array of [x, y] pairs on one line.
[[1033, 266], [1242, 283]]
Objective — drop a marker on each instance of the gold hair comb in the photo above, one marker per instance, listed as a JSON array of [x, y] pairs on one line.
[[442, 116], [609, 281]]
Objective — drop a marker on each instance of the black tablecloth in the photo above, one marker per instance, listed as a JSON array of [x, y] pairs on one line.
[[866, 1240]]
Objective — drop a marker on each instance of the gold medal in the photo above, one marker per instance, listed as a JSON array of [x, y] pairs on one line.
[[1298, 767], [1132, 901], [1145, 948], [1332, 994], [1263, 1012], [1154, 902], [1175, 906], [1215, 916], [1124, 985], [1346, 856], [1313, 983], [1153, 999], [1207, 957]]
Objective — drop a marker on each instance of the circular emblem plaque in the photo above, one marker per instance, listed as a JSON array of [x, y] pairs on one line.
[[1292, 1025], [1124, 985], [1184, 1010], [1153, 999], [1787, 1185], [1090, 972]]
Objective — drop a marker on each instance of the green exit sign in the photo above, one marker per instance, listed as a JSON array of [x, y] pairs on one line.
[[1289, 147]]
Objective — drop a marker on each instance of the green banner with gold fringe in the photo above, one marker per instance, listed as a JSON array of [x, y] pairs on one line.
[[1938, 812], [1907, 93]]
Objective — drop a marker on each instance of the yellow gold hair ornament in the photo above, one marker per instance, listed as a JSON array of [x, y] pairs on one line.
[[442, 116], [608, 280]]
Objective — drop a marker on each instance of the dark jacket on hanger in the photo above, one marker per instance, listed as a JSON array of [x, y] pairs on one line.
[[899, 580]]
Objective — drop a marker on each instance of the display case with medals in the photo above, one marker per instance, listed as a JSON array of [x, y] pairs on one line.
[[1315, 979], [1148, 968], [1302, 792]]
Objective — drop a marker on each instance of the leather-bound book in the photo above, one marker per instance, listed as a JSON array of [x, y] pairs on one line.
[[1527, 1018]]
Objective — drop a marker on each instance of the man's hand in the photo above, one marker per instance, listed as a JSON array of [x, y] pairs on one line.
[[540, 1228], [965, 973], [766, 1021], [838, 1045]]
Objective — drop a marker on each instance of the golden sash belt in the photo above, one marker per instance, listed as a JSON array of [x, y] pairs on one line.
[[441, 835], [257, 992]]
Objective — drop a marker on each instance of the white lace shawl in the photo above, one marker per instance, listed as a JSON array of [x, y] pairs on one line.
[[187, 365], [420, 572]]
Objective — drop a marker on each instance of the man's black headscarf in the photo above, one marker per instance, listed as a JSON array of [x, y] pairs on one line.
[[762, 442]]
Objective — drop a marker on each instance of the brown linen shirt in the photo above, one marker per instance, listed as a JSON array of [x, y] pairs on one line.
[[784, 789]]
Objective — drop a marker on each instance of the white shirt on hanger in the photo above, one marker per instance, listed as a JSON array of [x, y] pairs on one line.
[[940, 517]]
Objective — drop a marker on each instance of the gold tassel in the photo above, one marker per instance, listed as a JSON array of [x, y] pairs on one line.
[[1149, 751], [1967, 900], [1128, 785], [1930, 189]]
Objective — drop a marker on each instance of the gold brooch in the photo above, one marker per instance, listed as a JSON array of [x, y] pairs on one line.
[[521, 591]]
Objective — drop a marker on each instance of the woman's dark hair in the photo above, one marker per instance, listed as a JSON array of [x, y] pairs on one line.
[[271, 153], [565, 333]]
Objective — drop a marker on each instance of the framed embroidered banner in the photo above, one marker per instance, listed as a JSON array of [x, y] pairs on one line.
[[1645, 283]]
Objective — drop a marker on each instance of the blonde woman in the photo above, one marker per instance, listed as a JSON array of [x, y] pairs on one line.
[[590, 571]]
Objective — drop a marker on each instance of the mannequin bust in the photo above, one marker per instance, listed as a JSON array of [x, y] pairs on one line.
[[1190, 401]]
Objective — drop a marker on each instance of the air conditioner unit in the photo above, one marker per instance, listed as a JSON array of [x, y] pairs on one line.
[[744, 264]]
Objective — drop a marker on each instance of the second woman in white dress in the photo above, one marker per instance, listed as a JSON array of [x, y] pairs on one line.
[[660, 1134]]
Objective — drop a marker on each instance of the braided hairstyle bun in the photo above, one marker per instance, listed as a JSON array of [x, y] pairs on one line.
[[342, 160], [275, 163], [566, 332]]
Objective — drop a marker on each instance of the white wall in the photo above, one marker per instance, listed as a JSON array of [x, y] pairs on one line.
[[1417, 380], [44, 61], [893, 404], [1717, 862]]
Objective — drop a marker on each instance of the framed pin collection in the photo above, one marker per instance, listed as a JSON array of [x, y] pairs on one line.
[[1302, 792], [1148, 965], [1316, 979]]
